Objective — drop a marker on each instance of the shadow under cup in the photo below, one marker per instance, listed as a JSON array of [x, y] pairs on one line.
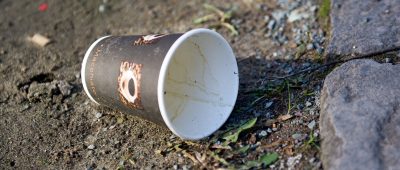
[[196, 88]]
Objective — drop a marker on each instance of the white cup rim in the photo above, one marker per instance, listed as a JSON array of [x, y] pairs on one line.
[[162, 78]]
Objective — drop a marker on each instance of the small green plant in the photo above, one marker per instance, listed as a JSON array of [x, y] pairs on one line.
[[265, 160], [323, 13], [232, 137], [324, 9], [311, 142], [219, 17], [289, 98]]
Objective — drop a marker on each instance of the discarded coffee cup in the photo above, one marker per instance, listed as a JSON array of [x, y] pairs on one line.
[[187, 82]]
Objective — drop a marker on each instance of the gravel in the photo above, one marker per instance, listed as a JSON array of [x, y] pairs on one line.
[[292, 161]]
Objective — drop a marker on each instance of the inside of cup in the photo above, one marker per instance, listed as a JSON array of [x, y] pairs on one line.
[[199, 84]]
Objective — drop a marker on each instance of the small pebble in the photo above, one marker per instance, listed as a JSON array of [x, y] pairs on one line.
[[269, 130], [78, 75], [175, 167], [296, 136], [263, 133], [98, 115], [268, 104], [91, 147], [311, 125], [293, 160], [312, 112], [311, 160], [298, 114], [266, 18], [308, 104], [274, 129], [388, 60], [320, 50], [102, 8], [271, 24], [310, 46]]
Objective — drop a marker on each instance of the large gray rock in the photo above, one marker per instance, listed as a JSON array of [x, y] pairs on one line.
[[360, 116], [362, 27]]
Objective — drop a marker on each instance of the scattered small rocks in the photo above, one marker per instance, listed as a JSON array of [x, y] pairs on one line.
[[40, 91], [292, 161]]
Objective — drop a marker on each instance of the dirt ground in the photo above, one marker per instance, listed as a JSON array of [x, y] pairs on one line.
[[47, 121]]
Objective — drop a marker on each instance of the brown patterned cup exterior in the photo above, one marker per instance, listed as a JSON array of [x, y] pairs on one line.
[[122, 73]]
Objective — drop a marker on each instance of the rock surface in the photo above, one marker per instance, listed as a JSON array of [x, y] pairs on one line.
[[364, 27], [360, 116]]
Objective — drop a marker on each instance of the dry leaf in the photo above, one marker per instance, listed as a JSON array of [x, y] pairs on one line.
[[285, 117]]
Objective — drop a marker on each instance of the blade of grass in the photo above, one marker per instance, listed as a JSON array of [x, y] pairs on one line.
[[213, 9], [204, 19]]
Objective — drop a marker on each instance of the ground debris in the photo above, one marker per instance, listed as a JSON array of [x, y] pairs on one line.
[[39, 39], [285, 117]]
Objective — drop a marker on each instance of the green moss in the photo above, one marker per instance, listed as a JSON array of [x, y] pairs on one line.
[[323, 14], [324, 9]]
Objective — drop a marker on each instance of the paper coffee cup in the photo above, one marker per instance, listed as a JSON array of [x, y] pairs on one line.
[[187, 82]]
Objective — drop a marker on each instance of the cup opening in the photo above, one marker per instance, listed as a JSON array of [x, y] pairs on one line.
[[198, 84]]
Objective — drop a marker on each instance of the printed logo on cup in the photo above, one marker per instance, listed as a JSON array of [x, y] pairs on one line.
[[128, 72], [148, 39]]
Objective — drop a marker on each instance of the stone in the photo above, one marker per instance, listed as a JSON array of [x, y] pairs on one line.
[[308, 104], [91, 147], [98, 115], [296, 136], [360, 116], [40, 91], [298, 14], [292, 161], [263, 133], [64, 87], [350, 29], [311, 125], [268, 104]]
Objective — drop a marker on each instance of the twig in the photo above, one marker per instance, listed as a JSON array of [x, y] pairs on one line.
[[289, 104], [333, 63], [214, 9]]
